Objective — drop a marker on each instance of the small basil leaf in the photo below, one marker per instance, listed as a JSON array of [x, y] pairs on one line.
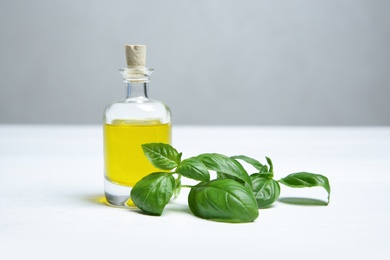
[[161, 155], [193, 168], [223, 200], [306, 179], [152, 193], [255, 163], [266, 190], [179, 157], [226, 165], [268, 175], [264, 169], [271, 167]]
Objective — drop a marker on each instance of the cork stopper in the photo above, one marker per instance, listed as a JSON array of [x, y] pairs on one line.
[[135, 56]]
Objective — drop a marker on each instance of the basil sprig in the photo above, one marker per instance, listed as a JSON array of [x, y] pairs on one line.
[[234, 196]]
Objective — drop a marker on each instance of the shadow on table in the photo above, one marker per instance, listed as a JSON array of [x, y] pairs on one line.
[[173, 206], [96, 199], [302, 201], [99, 199]]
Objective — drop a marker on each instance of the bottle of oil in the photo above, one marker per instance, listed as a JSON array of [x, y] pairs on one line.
[[128, 124]]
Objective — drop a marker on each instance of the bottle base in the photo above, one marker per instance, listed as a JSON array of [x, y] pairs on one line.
[[117, 195]]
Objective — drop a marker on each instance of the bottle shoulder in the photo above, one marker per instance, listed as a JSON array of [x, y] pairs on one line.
[[147, 109], [147, 105]]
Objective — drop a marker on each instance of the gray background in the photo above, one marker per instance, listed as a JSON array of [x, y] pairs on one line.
[[216, 62]]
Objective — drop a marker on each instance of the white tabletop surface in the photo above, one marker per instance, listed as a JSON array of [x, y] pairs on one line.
[[51, 185]]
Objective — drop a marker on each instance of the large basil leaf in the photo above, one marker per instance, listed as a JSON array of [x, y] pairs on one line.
[[265, 189], [221, 175], [225, 165], [152, 193], [161, 155], [223, 200], [306, 179], [255, 163], [193, 168]]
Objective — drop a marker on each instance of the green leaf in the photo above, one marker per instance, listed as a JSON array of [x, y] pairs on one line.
[[271, 166], [221, 175], [265, 189], [268, 175], [225, 165], [152, 193], [194, 169], [161, 155], [223, 200], [306, 179], [255, 163]]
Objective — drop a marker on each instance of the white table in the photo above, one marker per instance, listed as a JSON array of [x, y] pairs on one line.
[[51, 182]]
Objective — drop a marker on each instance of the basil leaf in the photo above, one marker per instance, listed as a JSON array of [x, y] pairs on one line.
[[161, 155], [271, 166], [265, 189], [223, 200], [306, 179], [255, 163], [152, 193], [268, 175], [221, 175], [226, 165], [193, 168]]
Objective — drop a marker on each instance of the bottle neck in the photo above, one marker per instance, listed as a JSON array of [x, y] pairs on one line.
[[137, 90], [137, 83]]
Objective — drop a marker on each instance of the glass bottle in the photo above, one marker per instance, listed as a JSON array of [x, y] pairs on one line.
[[128, 124]]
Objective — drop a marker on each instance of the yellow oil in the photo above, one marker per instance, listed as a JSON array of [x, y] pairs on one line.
[[125, 162]]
